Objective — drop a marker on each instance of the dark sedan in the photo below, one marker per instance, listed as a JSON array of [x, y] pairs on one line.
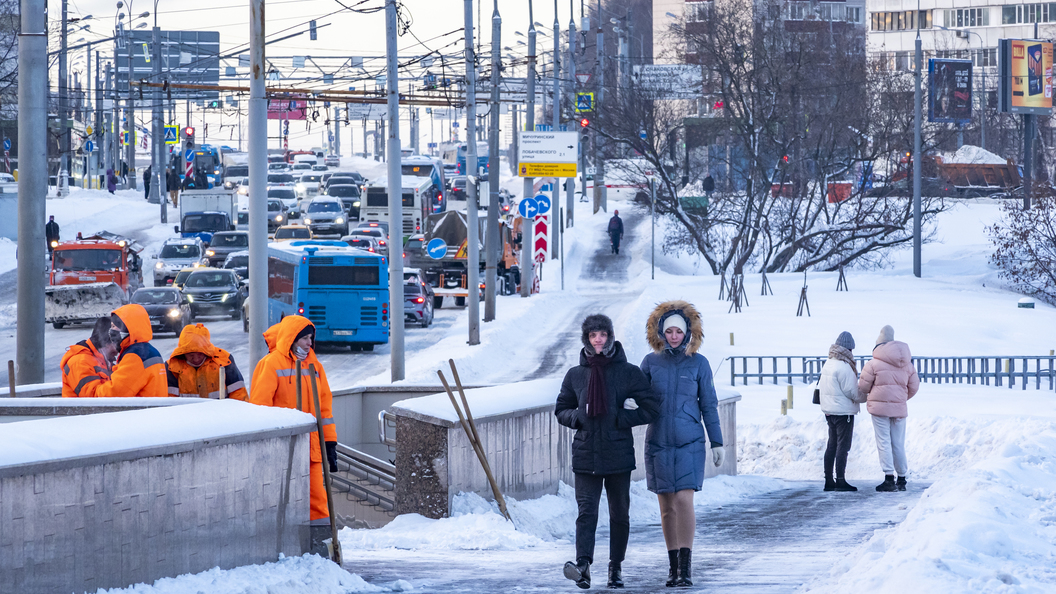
[[239, 262], [225, 243], [214, 291], [168, 310]]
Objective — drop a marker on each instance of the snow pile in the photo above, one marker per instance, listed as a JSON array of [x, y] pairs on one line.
[[475, 524], [487, 402], [8, 251], [988, 528], [969, 154], [310, 574]]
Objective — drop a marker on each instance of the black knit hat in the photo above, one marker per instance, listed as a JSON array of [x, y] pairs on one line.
[[306, 331], [598, 323]]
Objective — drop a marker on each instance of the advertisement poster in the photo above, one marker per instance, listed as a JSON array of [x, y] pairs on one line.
[[950, 91], [1029, 76]]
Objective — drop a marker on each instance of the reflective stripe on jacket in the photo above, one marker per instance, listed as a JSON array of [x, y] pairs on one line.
[[140, 370], [83, 370]]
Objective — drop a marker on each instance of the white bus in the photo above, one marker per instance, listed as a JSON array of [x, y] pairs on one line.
[[417, 199]]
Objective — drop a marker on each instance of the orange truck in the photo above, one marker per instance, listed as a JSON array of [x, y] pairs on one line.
[[91, 277]]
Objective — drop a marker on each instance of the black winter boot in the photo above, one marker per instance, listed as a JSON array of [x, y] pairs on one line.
[[888, 486], [684, 567], [615, 575], [578, 572], [841, 485], [900, 484], [830, 485], [672, 574]]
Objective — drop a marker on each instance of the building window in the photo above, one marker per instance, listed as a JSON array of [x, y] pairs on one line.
[[900, 21], [967, 17], [797, 11], [1028, 13], [697, 12], [984, 57], [852, 14]]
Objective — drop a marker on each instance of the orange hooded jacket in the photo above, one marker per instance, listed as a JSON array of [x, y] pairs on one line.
[[84, 369], [140, 370], [186, 380], [274, 384]]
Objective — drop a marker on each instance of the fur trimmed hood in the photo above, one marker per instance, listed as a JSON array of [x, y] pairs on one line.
[[655, 322]]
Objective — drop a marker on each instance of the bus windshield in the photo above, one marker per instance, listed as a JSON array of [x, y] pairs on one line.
[[380, 197], [417, 170], [81, 260]]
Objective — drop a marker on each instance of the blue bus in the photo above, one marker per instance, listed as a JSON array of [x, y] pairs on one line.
[[344, 291], [482, 158]]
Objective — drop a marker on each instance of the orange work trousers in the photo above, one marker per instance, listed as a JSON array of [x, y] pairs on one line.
[[320, 512]]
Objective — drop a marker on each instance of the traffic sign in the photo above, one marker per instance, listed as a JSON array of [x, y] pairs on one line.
[[583, 78], [188, 155], [437, 248], [89, 146], [592, 170], [528, 207], [88, 130], [540, 243], [543, 204], [547, 170], [7, 144], [584, 102], [548, 147], [172, 134]]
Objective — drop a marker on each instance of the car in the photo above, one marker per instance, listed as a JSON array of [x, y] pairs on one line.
[[276, 214], [414, 248], [292, 233], [450, 170], [278, 167], [308, 185], [381, 225], [233, 182], [166, 306], [281, 179], [348, 194], [458, 187], [345, 177], [239, 262], [242, 220], [374, 232], [319, 168], [302, 166], [176, 254], [224, 243], [332, 161], [7, 178], [214, 291], [326, 215], [288, 196], [276, 159], [417, 301], [362, 242], [181, 277]]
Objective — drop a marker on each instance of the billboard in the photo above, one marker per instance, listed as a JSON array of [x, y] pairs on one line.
[[1025, 70], [287, 109], [669, 81], [950, 91], [186, 57]]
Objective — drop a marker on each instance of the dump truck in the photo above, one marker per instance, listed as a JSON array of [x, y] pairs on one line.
[[204, 212], [447, 272], [979, 179], [91, 277]]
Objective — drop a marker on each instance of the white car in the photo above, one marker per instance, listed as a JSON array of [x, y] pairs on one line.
[[278, 167], [7, 178], [175, 255], [302, 166], [308, 185]]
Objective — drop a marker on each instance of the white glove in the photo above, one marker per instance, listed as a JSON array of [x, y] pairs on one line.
[[630, 404], [717, 455]]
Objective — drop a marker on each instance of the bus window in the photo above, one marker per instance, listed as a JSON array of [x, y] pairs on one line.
[[344, 275], [280, 280]]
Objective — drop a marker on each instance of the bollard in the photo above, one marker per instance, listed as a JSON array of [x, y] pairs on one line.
[[784, 406], [731, 338], [1052, 353], [789, 399], [1007, 361], [11, 377]]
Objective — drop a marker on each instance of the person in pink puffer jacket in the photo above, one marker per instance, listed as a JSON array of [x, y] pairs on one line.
[[890, 380]]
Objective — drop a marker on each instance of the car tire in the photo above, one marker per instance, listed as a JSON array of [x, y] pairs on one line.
[[460, 301], [438, 302], [58, 325], [236, 314], [367, 348]]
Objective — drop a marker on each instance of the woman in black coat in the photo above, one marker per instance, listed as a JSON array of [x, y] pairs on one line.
[[602, 398]]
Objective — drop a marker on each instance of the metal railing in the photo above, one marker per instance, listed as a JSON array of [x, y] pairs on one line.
[[367, 478], [1039, 371]]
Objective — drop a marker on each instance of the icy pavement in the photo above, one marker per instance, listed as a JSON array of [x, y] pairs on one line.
[[773, 542]]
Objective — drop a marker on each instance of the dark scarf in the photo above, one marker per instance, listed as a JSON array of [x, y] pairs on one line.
[[842, 354], [597, 391]]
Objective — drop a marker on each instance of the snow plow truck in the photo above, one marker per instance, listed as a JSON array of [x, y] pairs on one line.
[[90, 278]]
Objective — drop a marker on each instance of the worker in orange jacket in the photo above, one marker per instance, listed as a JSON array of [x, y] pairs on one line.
[[194, 368], [86, 365], [140, 369], [274, 383]]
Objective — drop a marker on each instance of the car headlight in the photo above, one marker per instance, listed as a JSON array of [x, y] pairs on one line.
[[190, 299], [223, 298], [307, 221], [159, 265], [300, 187], [278, 218], [210, 253], [356, 204], [174, 313], [338, 221], [54, 244], [197, 264]]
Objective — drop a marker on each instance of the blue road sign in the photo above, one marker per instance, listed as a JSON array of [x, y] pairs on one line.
[[543, 203], [528, 208], [7, 144], [432, 145], [544, 128], [189, 155], [437, 248], [172, 134], [642, 135], [89, 146]]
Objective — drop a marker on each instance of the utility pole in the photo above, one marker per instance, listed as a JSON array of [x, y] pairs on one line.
[[258, 183], [112, 127], [337, 130], [158, 178], [492, 240], [32, 189], [527, 273], [556, 230], [130, 113], [600, 194], [392, 161], [917, 158], [570, 183], [104, 127], [472, 185], [63, 174]]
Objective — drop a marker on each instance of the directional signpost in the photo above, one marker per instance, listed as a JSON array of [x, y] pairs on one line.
[[189, 157], [7, 154], [540, 243], [437, 248], [542, 202], [548, 154], [89, 147]]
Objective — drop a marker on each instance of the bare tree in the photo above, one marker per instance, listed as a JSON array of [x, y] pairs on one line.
[[9, 27], [1025, 246]]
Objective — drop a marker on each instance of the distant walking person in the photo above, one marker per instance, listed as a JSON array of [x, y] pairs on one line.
[[838, 387], [890, 380], [111, 181], [172, 181], [146, 182], [601, 399], [615, 231], [51, 233], [676, 443]]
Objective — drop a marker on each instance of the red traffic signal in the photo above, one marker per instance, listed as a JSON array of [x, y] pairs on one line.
[[189, 131], [583, 123]]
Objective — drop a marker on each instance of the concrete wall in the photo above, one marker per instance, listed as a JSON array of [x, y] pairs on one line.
[[529, 452], [75, 524]]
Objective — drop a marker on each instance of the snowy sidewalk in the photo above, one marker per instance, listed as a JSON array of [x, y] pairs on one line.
[[775, 542]]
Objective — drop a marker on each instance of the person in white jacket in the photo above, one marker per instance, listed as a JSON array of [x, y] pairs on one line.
[[838, 388]]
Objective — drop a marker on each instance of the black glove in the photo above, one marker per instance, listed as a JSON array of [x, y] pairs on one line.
[[331, 455]]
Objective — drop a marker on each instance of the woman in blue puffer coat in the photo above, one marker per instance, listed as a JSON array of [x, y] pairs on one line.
[[676, 443]]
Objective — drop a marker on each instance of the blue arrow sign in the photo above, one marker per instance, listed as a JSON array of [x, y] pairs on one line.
[[528, 208], [189, 155], [437, 248], [543, 203], [7, 144], [89, 146]]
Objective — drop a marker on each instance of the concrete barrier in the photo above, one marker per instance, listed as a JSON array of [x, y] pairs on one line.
[[529, 452], [95, 499]]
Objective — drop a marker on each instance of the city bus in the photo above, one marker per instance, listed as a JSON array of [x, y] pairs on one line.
[[344, 291], [457, 155], [417, 200], [432, 168]]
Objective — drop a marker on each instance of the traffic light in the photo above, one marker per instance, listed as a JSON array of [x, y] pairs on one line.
[[584, 122], [188, 136], [214, 104]]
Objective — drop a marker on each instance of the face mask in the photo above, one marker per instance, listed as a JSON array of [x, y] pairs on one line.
[[116, 336], [300, 353]]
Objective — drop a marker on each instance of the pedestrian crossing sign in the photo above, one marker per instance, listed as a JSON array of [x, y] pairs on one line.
[[172, 134], [584, 102]]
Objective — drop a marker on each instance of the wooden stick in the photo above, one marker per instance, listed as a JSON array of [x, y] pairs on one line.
[[11, 377], [326, 463], [298, 384], [223, 383], [465, 403]]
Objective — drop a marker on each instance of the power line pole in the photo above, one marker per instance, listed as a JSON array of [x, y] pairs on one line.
[[917, 158], [556, 230], [392, 160], [337, 130], [32, 189], [600, 193], [258, 183], [492, 239], [570, 183], [130, 113], [158, 178], [472, 184], [62, 177], [527, 273]]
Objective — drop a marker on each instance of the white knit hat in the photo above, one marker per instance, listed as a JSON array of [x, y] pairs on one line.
[[675, 320]]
